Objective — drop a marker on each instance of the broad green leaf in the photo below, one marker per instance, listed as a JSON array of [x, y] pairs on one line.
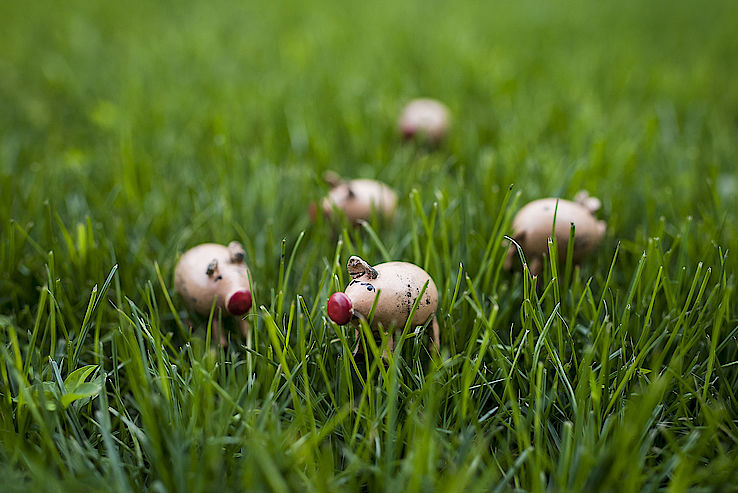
[[78, 377], [88, 389]]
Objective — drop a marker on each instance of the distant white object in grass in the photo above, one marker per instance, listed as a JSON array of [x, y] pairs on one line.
[[210, 272], [425, 119], [534, 223], [397, 285], [358, 198]]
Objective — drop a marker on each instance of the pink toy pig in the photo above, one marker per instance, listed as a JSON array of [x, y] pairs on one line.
[[425, 119], [398, 284], [211, 271], [533, 224]]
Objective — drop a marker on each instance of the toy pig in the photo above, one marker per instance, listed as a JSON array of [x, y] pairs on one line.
[[398, 284], [533, 224], [426, 119], [211, 271], [357, 198]]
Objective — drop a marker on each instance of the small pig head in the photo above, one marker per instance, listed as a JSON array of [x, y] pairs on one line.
[[341, 305], [363, 288], [211, 270]]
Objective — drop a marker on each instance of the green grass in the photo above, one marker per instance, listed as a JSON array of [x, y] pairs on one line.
[[130, 132]]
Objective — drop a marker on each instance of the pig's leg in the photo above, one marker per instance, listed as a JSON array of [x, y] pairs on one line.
[[436, 335], [535, 266], [218, 334], [357, 349], [390, 345], [245, 328]]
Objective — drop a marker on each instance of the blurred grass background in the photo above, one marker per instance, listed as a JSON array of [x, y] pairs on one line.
[[130, 132]]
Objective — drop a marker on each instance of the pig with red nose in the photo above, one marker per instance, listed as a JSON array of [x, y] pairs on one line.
[[397, 285], [358, 198], [424, 119], [211, 271]]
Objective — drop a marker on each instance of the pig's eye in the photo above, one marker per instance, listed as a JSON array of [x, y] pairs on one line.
[[218, 278], [212, 267]]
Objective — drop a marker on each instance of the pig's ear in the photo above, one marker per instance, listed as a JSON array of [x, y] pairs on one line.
[[212, 267], [332, 178], [236, 252], [593, 204], [357, 267]]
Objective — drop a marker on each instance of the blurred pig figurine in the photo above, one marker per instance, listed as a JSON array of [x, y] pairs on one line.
[[211, 271], [398, 283], [424, 119], [357, 198], [533, 224]]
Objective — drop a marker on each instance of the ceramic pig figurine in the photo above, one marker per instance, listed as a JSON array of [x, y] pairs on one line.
[[211, 271], [399, 285], [426, 119], [533, 224], [357, 198]]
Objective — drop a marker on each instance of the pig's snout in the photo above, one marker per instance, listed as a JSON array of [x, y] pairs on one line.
[[340, 308], [408, 132], [239, 302]]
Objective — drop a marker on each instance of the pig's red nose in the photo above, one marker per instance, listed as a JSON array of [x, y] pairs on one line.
[[408, 132], [239, 302], [339, 308]]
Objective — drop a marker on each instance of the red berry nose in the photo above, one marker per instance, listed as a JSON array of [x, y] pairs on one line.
[[408, 131], [239, 303], [339, 308]]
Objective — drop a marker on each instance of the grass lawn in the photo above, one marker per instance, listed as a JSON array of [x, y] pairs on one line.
[[132, 131]]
